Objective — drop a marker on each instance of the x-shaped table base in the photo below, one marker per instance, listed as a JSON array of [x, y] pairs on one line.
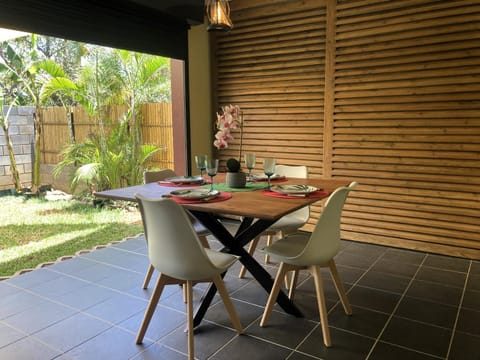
[[234, 244]]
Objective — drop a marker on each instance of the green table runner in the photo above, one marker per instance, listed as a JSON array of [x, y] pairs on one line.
[[250, 186]]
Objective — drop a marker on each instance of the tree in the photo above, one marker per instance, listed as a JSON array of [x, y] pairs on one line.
[[11, 92], [143, 78], [24, 75]]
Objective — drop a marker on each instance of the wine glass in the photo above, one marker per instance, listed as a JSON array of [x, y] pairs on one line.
[[212, 169], [269, 169], [250, 164], [200, 161]]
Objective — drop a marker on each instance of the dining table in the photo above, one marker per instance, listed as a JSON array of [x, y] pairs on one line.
[[256, 210]]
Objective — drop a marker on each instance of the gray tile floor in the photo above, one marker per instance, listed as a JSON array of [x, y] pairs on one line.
[[406, 305]]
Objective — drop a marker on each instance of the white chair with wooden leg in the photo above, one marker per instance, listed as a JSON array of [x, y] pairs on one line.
[[175, 250], [311, 252], [150, 176], [287, 224]]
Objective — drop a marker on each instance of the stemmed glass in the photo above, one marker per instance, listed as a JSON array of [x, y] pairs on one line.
[[200, 161], [269, 169], [250, 164], [212, 169]]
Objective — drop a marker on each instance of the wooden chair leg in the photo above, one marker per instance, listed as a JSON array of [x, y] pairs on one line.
[[269, 242], [217, 280], [293, 284], [272, 298], [185, 293], [189, 291], [148, 276], [251, 250], [152, 305], [322, 307], [339, 286]]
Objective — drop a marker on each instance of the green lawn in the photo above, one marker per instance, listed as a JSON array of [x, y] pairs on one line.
[[35, 230]]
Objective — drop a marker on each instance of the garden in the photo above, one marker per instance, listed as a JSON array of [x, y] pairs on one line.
[[42, 71]]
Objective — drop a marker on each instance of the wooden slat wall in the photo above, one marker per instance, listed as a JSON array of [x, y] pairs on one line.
[[401, 107], [407, 125], [272, 67]]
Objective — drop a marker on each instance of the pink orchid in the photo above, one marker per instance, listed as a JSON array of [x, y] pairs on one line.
[[230, 119]]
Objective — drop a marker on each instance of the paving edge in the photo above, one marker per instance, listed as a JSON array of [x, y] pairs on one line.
[[68, 257]]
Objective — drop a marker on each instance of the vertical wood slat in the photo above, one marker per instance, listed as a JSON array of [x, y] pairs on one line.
[[395, 108], [329, 88], [156, 130]]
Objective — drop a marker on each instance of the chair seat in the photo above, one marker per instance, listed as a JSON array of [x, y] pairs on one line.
[[289, 247], [221, 260], [288, 223]]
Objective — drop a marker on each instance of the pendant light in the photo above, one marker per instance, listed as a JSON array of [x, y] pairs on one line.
[[218, 12]]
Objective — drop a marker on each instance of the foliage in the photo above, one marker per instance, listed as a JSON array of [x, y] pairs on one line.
[[44, 230], [94, 77], [106, 163], [233, 165]]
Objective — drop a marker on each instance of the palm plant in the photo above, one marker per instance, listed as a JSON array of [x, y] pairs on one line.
[[105, 163]]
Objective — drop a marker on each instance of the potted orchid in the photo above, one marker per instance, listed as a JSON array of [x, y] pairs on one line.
[[230, 119]]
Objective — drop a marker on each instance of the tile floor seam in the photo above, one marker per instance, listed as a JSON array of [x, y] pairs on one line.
[[306, 336], [442, 269], [114, 266], [410, 349], [159, 344], [393, 311], [458, 311], [303, 353], [224, 346], [76, 346], [441, 284], [158, 341]]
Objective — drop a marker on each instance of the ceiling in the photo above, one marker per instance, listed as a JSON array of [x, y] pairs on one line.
[[190, 10], [152, 26]]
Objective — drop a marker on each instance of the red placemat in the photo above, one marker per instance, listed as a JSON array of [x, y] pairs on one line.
[[180, 184], [315, 194], [221, 197], [271, 180]]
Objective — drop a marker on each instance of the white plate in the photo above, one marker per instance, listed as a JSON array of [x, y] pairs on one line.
[[185, 179], [263, 177], [195, 194], [294, 189]]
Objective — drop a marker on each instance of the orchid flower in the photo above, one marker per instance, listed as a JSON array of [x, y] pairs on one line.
[[229, 119]]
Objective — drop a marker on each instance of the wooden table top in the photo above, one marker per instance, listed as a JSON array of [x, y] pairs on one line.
[[243, 203]]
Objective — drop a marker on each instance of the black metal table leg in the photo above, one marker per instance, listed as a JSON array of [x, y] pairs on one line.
[[247, 231]]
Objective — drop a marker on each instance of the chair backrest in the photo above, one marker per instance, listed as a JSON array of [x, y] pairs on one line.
[[173, 246], [150, 176], [292, 171], [300, 171], [324, 241]]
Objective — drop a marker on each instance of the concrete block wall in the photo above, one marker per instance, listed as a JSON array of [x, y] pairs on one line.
[[22, 137]]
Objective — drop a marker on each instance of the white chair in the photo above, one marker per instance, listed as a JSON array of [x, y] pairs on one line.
[[311, 252], [175, 250], [150, 176], [289, 223]]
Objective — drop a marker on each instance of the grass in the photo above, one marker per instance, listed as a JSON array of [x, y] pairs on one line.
[[34, 231]]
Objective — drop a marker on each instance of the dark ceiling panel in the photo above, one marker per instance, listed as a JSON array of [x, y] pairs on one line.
[[115, 23], [191, 10]]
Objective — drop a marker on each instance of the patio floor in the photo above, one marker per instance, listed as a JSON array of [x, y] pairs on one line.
[[406, 305]]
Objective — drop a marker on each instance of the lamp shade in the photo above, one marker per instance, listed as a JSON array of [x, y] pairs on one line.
[[218, 12]]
